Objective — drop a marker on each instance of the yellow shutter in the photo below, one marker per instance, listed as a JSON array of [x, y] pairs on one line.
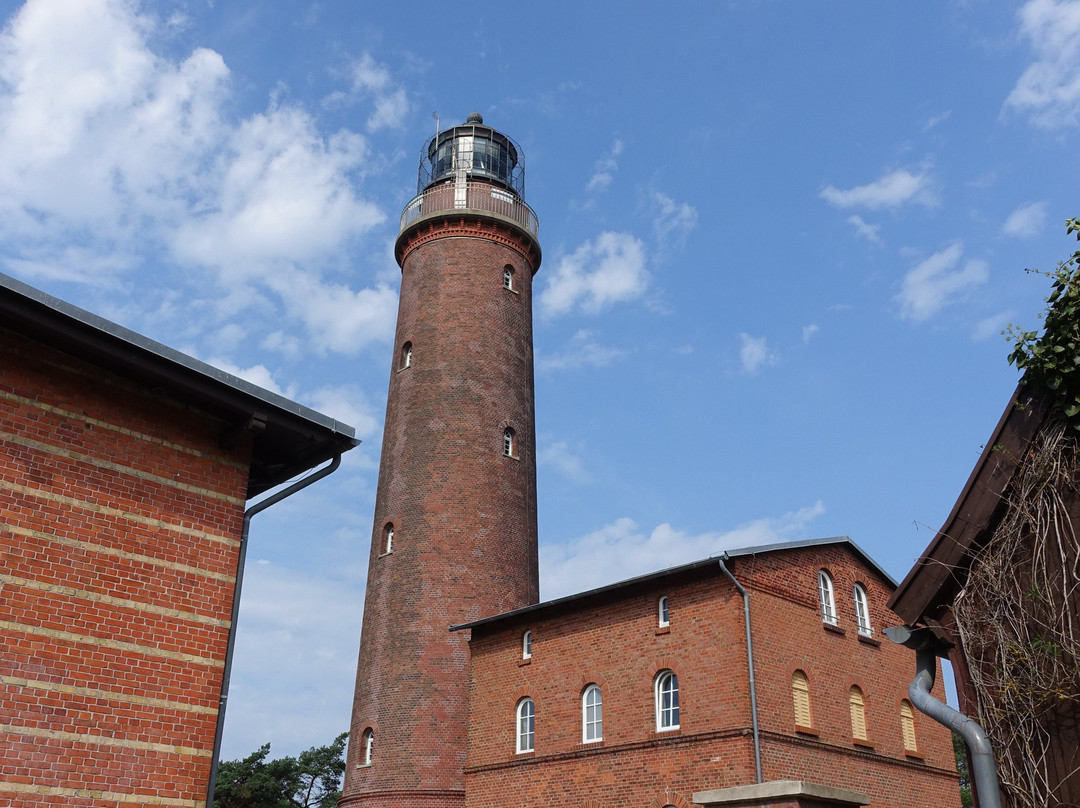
[[800, 693], [858, 714], [907, 726]]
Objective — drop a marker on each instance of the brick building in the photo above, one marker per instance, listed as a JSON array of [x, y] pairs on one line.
[[638, 693], [499, 710], [124, 472]]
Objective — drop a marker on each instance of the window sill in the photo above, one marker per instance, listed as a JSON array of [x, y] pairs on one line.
[[663, 630], [511, 457], [526, 754], [510, 289], [913, 755], [813, 733], [867, 640], [834, 629], [524, 662], [667, 731], [864, 744], [384, 555]]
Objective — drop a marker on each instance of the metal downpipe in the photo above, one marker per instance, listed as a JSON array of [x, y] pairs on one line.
[[750, 664], [979, 750], [257, 508]]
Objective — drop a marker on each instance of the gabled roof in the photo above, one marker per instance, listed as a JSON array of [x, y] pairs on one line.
[[932, 584], [681, 571], [289, 438]]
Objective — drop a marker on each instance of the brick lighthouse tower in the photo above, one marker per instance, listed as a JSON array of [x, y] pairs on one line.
[[454, 537]]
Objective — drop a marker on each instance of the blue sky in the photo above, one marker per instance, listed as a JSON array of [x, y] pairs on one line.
[[780, 243]]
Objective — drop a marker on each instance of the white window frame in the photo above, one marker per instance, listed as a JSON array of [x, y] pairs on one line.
[[508, 277], [827, 598], [663, 612], [862, 611], [526, 726], [508, 442], [592, 714], [667, 701], [406, 355], [526, 645], [388, 538]]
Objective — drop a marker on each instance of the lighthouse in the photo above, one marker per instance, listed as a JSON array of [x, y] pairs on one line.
[[454, 536]]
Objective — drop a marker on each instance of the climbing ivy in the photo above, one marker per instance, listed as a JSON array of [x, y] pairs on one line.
[[1052, 360]]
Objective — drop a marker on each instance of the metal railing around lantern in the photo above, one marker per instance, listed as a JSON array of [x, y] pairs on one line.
[[470, 196]]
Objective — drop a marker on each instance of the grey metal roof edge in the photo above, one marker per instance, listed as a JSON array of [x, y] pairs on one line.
[[803, 543], [591, 592], [711, 560], [141, 343]]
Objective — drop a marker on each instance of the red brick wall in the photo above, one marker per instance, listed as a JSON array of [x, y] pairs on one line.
[[464, 515], [119, 527], [615, 642]]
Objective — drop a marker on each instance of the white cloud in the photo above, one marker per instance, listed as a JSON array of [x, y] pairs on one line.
[[610, 269], [755, 353], [991, 326], [867, 231], [295, 660], [348, 404], [258, 375], [337, 318], [1026, 222], [583, 351], [622, 550], [559, 457], [935, 120], [672, 221], [890, 191], [937, 282], [605, 168], [808, 331], [1049, 89], [391, 103], [114, 158]]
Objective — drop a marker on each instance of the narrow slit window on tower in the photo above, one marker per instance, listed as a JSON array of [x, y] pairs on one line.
[[508, 442], [825, 596], [526, 725], [526, 645], [367, 747], [508, 277], [858, 713], [862, 611], [667, 701], [406, 355], [663, 613], [800, 696], [388, 538]]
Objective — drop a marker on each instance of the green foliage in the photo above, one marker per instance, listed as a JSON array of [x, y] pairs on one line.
[[1052, 360], [960, 751], [311, 780]]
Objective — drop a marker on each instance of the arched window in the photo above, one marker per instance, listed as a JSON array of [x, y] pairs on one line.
[[508, 277], [667, 701], [367, 746], [508, 442], [858, 713], [907, 726], [388, 538], [526, 725], [526, 645], [406, 355], [825, 595], [862, 611], [800, 695], [663, 613], [592, 715]]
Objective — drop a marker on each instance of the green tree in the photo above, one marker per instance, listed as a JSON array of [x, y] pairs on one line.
[[962, 768], [310, 780]]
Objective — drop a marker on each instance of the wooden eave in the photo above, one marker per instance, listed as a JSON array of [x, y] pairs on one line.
[[929, 588]]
